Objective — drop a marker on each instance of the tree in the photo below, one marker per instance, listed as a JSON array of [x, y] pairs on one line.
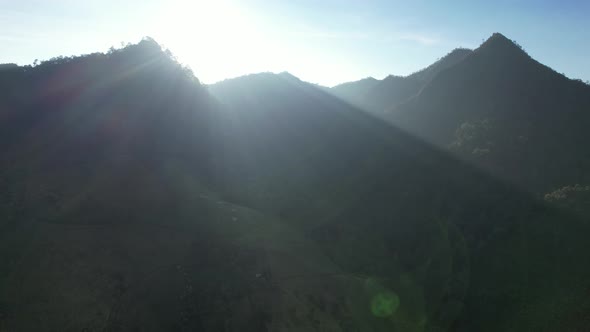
[[575, 199], [473, 137]]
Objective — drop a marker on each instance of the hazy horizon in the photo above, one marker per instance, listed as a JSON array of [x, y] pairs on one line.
[[326, 43]]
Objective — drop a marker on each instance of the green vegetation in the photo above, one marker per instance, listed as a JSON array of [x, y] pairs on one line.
[[135, 198], [380, 96]]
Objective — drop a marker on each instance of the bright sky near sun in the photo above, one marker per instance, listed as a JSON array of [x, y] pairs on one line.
[[326, 42]]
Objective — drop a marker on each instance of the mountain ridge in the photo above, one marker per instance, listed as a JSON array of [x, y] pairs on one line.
[[382, 95], [137, 198], [501, 83]]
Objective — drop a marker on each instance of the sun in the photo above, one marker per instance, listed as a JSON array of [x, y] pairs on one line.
[[213, 37]]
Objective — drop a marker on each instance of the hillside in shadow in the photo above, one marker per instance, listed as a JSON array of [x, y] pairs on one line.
[[138, 199], [380, 96], [508, 114]]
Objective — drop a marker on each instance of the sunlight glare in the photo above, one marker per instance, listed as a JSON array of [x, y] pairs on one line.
[[217, 39]]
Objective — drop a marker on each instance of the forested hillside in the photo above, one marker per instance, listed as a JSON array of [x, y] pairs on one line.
[[381, 96], [495, 107], [509, 114], [136, 198]]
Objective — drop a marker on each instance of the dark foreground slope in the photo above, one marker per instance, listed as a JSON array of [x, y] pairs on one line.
[[134, 200]]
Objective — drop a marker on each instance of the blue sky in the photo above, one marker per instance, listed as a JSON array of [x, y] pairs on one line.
[[325, 42]]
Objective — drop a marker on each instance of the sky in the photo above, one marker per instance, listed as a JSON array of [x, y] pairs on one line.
[[321, 41]]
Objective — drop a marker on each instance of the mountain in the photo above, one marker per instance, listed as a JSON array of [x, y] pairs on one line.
[[354, 92], [509, 114], [136, 198], [448, 61], [495, 107], [381, 95]]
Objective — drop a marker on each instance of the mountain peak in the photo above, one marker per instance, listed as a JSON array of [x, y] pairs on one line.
[[393, 77], [498, 43], [459, 52], [368, 79], [499, 36], [287, 75]]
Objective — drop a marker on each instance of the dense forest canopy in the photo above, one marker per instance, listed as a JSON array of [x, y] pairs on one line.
[[136, 198]]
